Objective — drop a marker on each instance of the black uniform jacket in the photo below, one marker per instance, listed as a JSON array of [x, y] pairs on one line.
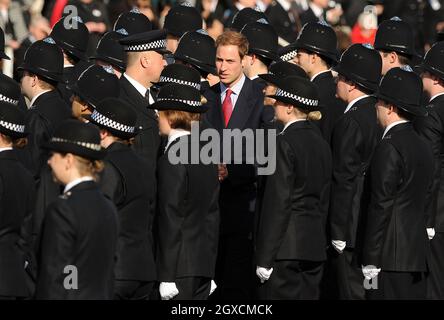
[[354, 139], [295, 205], [127, 183], [401, 174], [80, 230], [188, 224], [431, 128], [333, 108], [47, 112], [17, 190]]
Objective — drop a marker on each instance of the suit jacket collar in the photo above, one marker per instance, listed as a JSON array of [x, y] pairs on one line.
[[326, 74], [8, 155], [45, 96], [361, 102], [85, 185], [437, 99], [242, 110], [116, 147], [139, 102], [398, 128]]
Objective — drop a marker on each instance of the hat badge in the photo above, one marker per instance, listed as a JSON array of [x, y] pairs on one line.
[[122, 31], [49, 40]]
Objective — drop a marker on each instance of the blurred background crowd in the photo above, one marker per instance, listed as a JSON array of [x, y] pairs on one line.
[[355, 21]]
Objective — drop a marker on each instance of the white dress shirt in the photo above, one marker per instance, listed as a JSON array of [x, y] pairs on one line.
[[436, 95], [291, 122], [317, 74], [236, 89], [5, 149]]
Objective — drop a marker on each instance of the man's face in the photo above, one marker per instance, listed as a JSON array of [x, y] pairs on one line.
[[172, 43], [157, 63], [381, 113], [321, 3], [342, 88], [303, 59], [40, 30], [79, 107], [229, 64], [27, 83], [427, 81]]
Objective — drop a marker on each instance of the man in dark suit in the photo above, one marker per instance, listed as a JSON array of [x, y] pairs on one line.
[[237, 104], [396, 248], [432, 129], [316, 53], [353, 141]]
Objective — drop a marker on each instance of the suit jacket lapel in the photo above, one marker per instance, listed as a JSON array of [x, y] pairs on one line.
[[215, 116]]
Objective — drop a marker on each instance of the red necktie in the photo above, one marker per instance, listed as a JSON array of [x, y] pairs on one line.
[[227, 106]]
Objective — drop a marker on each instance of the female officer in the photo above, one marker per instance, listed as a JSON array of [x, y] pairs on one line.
[[78, 241]]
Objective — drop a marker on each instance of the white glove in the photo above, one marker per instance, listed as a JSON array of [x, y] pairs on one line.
[[370, 271], [168, 290], [338, 245], [213, 286], [431, 233], [263, 273]]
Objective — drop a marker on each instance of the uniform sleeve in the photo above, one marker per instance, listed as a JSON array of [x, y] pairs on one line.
[[172, 192], [385, 172], [346, 140], [39, 134], [56, 250], [276, 208], [110, 183], [430, 128]]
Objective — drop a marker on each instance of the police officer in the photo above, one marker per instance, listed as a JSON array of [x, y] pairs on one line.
[[109, 52], [354, 138], [188, 202], [133, 22], [291, 242], [180, 19], [73, 39], [94, 84], [127, 184], [317, 52], [16, 204], [262, 49], [396, 248], [432, 129], [79, 233], [396, 43], [43, 70], [198, 50]]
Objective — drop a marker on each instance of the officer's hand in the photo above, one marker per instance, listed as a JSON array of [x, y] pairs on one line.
[[263, 273], [339, 245]]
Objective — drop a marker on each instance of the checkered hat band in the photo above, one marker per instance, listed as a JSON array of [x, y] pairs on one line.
[[109, 123], [12, 126], [189, 102], [306, 101], [288, 56], [88, 145], [173, 80], [8, 100], [158, 44]]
